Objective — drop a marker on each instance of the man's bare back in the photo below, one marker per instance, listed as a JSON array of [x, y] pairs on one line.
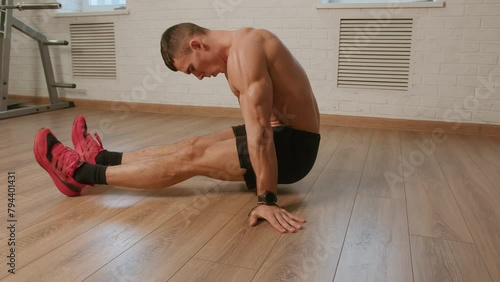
[[293, 103]]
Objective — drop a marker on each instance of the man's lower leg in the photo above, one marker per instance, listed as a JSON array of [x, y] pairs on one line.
[[109, 158], [91, 174]]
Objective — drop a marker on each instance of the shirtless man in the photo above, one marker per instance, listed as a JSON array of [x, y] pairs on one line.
[[277, 144]]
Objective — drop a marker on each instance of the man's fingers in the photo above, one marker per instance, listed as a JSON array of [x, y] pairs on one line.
[[284, 222], [271, 219], [253, 219], [292, 222], [294, 217], [276, 224]]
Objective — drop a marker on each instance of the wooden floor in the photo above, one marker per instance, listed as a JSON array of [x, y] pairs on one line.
[[381, 205]]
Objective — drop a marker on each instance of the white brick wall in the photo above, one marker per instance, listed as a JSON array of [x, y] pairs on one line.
[[461, 46], [496, 106], [455, 68], [490, 47], [455, 91], [419, 112]]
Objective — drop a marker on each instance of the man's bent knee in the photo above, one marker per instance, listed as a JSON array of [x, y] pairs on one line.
[[193, 151], [192, 141]]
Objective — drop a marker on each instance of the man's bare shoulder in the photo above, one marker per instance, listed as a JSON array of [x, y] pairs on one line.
[[248, 35], [247, 45], [254, 44], [247, 57]]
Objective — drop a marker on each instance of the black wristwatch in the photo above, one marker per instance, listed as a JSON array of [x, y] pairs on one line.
[[268, 199]]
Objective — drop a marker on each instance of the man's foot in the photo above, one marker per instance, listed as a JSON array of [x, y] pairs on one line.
[[59, 161], [86, 147]]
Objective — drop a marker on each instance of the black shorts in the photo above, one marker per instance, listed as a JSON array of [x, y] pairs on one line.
[[296, 151]]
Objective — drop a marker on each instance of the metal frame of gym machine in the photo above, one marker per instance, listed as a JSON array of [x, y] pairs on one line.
[[7, 22]]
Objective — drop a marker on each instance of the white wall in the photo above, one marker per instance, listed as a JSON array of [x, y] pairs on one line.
[[455, 66]]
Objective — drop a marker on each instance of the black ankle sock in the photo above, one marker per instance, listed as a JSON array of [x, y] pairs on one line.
[[108, 158], [90, 174]]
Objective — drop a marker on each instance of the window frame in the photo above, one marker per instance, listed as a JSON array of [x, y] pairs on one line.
[[386, 5]]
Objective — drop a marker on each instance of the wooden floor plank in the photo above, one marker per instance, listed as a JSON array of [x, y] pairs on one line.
[[241, 245], [331, 137], [102, 243], [40, 239], [37, 198], [469, 261], [202, 270], [382, 161], [32, 183], [443, 260], [313, 253], [432, 209], [376, 247], [477, 198], [43, 208], [433, 261], [350, 154], [486, 154], [167, 249], [183, 229]]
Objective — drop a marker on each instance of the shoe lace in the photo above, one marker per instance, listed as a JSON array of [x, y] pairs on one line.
[[92, 145], [68, 159], [98, 139]]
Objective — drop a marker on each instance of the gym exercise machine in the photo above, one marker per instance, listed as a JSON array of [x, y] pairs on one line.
[[7, 22]]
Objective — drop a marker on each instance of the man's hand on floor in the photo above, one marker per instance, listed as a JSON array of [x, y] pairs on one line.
[[279, 218]]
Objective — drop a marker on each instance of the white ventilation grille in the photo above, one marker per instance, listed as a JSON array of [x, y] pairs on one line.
[[374, 53], [93, 50]]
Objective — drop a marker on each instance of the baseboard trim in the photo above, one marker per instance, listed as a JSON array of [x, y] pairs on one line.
[[412, 125], [327, 119]]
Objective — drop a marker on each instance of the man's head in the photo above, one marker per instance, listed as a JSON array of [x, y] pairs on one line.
[[184, 47]]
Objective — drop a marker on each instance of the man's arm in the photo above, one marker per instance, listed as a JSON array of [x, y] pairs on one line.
[[256, 106], [251, 77]]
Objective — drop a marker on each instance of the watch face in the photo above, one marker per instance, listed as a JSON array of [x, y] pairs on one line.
[[270, 198]]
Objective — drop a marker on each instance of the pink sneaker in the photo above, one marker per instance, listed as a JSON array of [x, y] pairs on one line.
[[59, 161], [86, 147]]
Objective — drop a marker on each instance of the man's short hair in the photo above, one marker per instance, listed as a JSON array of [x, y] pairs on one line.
[[175, 41]]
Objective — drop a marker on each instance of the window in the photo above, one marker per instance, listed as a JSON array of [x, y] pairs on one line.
[[336, 4], [102, 5], [375, 1], [84, 6]]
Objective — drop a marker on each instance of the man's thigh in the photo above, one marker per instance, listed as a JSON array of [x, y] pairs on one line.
[[216, 137]]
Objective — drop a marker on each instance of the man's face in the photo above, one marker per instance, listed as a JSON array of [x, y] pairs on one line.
[[201, 62]]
